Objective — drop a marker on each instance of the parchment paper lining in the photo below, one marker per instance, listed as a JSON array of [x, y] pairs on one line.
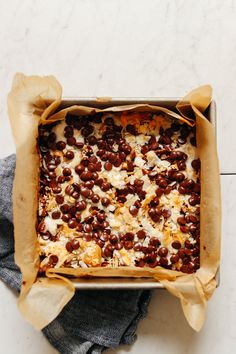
[[32, 101]]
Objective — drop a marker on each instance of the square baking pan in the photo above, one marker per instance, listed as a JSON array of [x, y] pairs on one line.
[[105, 102]]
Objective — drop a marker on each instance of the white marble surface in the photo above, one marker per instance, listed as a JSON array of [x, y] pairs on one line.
[[132, 48]]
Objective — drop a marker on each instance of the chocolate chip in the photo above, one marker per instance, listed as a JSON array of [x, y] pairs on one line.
[[181, 253], [154, 145], [151, 249], [162, 183], [163, 251], [154, 202], [138, 182], [60, 145], [51, 167], [138, 204], [84, 191], [181, 140], [71, 141], [72, 223], [163, 261], [104, 237], [101, 245], [153, 214], [105, 201], [101, 217], [56, 214], [197, 188], [81, 205], [56, 189], [196, 164], [133, 210], [113, 239], [125, 148], [52, 137], [118, 162], [118, 246], [165, 140], [86, 131], [52, 175], [129, 236], [144, 149], [95, 198], [61, 179], [75, 244], [94, 176], [95, 224], [69, 189], [192, 229], [179, 176], [108, 166], [137, 246], [98, 166], [89, 184], [154, 241], [75, 195], [108, 251], [141, 234], [92, 140], [78, 216], [66, 217], [85, 161], [69, 155], [100, 152], [69, 247], [79, 145], [72, 210], [181, 220], [128, 245], [130, 166], [112, 157], [93, 159], [105, 225], [86, 175], [182, 190], [42, 227], [53, 259], [59, 199], [188, 244], [195, 251], [87, 237], [64, 208], [176, 244], [159, 191], [193, 219], [184, 229], [88, 228], [104, 157], [181, 165], [174, 258], [92, 167], [194, 199], [66, 171], [105, 186], [168, 189]]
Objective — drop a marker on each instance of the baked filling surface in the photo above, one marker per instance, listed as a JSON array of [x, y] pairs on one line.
[[119, 189]]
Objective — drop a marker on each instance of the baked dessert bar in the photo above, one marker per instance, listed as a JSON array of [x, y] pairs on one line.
[[119, 189]]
